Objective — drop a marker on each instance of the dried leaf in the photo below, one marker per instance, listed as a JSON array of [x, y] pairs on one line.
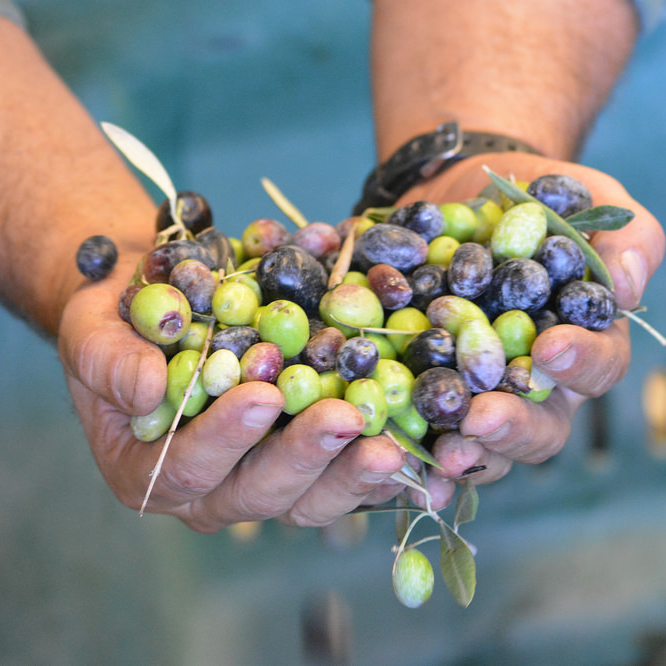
[[144, 160], [458, 567], [467, 504]]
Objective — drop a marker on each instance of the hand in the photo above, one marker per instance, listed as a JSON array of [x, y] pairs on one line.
[[501, 428], [310, 473]]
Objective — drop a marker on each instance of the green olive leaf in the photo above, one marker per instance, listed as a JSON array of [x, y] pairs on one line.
[[467, 504], [458, 567], [476, 203], [378, 214], [601, 218], [557, 225], [410, 445]]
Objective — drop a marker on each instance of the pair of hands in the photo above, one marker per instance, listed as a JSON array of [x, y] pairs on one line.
[[318, 467]]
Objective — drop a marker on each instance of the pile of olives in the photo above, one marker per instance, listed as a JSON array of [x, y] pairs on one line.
[[405, 312]]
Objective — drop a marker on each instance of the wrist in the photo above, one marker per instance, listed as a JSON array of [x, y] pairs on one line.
[[427, 155]]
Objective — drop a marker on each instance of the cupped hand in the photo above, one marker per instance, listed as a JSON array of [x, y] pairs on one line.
[[501, 428], [229, 463]]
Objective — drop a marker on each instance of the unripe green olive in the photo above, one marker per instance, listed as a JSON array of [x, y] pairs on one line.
[[180, 370], [149, 427], [301, 387], [413, 578], [368, 397]]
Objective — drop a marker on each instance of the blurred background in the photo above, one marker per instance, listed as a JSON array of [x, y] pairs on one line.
[[570, 554]]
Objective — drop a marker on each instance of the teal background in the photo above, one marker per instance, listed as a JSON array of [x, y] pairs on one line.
[[570, 554]]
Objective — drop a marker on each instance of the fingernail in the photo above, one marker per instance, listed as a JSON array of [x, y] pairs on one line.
[[473, 470], [634, 269], [373, 477], [495, 435], [332, 441], [260, 416], [562, 360]]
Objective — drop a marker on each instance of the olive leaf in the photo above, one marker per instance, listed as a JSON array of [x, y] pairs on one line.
[[467, 504], [557, 225], [457, 565], [477, 203], [601, 218], [413, 446], [143, 159], [378, 214]]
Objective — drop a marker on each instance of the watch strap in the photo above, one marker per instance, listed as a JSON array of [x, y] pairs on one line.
[[427, 155]]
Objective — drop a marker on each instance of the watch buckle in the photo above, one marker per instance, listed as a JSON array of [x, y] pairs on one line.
[[453, 141]]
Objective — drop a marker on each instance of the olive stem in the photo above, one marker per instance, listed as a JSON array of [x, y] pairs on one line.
[[174, 424], [650, 329], [284, 204], [343, 262], [370, 329]]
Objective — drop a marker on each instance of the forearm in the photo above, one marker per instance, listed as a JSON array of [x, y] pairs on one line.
[[536, 70], [60, 181]]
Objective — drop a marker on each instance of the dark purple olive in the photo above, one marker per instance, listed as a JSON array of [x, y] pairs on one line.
[[291, 273]]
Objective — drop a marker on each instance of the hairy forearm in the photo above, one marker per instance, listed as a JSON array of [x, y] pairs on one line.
[[60, 181], [537, 70]]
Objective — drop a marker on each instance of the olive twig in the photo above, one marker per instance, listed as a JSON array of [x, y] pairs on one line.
[[371, 329], [343, 262], [174, 425], [284, 204], [650, 329]]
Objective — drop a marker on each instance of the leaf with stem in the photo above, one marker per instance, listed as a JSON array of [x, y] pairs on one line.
[[467, 504], [601, 218], [410, 445], [457, 565], [557, 225]]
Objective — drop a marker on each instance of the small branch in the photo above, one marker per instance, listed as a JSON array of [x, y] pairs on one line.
[[658, 336], [174, 424], [284, 204], [344, 259]]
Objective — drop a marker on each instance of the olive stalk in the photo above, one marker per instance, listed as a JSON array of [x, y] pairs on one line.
[[174, 424], [284, 204]]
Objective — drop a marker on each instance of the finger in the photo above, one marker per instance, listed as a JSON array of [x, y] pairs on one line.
[[463, 457], [440, 492], [633, 253], [102, 352], [519, 429], [273, 475], [200, 456], [586, 362], [345, 484]]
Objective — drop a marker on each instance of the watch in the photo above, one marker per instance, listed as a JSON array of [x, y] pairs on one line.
[[427, 155]]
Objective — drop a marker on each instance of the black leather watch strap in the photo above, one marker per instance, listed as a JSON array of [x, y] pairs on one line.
[[426, 155]]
